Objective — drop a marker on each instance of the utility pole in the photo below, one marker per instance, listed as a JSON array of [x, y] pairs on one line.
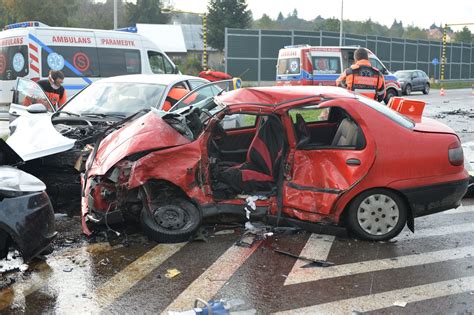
[[443, 48], [342, 21], [115, 15]]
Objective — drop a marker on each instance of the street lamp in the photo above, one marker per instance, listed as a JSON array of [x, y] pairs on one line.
[[342, 21], [204, 31]]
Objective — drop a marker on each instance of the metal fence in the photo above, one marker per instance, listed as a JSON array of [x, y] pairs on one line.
[[254, 53]]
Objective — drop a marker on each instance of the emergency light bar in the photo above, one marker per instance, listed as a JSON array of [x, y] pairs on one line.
[[297, 46], [130, 29], [24, 24]]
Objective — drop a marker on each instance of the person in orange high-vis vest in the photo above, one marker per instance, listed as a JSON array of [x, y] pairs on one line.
[[52, 87], [362, 78]]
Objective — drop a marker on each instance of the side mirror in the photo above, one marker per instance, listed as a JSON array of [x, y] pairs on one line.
[[36, 109], [176, 70]]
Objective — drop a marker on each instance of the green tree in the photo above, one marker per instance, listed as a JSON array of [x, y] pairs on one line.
[[280, 18], [463, 36], [146, 11], [414, 32], [265, 22], [396, 30], [225, 13], [44, 11], [98, 15], [331, 25]]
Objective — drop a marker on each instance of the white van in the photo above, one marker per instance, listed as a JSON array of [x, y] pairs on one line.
[[31, 49]]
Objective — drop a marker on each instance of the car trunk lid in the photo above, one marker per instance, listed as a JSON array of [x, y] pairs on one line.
[[432, 126]]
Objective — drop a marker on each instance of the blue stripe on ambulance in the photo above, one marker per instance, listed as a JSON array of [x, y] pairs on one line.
[[74, 87], [321, 77], [66, 63]]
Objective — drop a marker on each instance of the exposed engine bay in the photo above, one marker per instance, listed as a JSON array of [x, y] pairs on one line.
[[60, 171]]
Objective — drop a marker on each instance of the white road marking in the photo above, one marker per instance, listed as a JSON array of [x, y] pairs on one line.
[[133, 273], [314, 274], [382, 300], [463, 209], [317, 247], [436, 231], [214, 278]]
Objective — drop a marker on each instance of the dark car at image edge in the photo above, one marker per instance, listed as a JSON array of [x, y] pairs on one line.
[[26, 213]]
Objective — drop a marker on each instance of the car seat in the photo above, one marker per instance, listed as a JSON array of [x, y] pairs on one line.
[[260, 170]]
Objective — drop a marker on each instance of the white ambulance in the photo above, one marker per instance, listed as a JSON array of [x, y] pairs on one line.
[[31, 49]]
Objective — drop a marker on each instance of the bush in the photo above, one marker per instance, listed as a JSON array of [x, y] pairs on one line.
[[191, 65]]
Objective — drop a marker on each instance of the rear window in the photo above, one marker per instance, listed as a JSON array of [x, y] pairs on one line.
[[288, 66], [326, 65], [84, 60], [13, 62], [384, 110]]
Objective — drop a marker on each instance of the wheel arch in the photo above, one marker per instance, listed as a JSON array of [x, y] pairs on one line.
[[167, 190]]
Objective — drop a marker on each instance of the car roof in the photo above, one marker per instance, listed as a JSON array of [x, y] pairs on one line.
[[165, 79], [276, 95]]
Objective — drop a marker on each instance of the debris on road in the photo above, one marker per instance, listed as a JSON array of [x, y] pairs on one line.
[[400, 303], [171, 273], [312, 262]]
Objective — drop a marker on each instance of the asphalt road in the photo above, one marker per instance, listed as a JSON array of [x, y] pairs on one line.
[[430, 271]]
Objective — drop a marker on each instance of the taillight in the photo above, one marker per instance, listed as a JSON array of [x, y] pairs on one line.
[[455, 154]]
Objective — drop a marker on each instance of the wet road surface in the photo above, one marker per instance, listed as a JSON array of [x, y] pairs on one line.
[[431, 271]]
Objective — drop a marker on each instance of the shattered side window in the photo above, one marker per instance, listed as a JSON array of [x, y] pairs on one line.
[[310, 114], [239, 121]]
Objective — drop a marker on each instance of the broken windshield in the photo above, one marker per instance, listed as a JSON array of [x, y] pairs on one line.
[[190, 114], [116, 98]]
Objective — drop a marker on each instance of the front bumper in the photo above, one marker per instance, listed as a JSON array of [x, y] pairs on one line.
[[29, 220], [435, 198]]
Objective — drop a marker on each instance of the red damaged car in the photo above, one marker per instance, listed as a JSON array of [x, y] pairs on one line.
[[308, 155]]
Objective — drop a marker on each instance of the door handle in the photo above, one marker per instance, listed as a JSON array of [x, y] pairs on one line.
[[353, 161], [14, 113]]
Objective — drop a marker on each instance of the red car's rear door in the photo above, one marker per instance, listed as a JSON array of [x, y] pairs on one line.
[[318, 175]]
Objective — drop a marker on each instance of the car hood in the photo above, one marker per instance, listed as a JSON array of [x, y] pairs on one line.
[[146, 133], [34, 136], [432, 126]]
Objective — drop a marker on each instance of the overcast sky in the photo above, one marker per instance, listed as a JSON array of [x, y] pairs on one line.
[[421, 13]]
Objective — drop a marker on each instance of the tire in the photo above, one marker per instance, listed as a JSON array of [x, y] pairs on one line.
[[408, 89], [426, 90], [173, 222], [390, 93], [377, 215]]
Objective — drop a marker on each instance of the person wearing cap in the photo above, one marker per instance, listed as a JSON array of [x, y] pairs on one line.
[[52, 87]]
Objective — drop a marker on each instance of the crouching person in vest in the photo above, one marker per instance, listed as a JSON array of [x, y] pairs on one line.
[[362, 78], [52, 87]]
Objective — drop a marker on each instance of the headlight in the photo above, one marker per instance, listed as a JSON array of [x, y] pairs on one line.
[[14, 180]]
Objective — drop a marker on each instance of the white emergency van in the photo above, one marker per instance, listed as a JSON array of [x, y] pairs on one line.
[[31, 49]]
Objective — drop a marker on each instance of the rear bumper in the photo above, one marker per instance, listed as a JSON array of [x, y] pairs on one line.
[[435, 198]]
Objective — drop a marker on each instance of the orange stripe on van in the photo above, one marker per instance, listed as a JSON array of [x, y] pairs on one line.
[[34, 68], [34, 58], [33, 47]]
